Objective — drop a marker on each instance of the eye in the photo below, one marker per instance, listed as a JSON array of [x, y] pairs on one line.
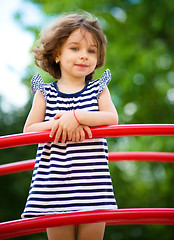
[[91, 51], [75, 49]]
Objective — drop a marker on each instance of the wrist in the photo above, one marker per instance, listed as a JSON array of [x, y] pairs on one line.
[[75, 116]]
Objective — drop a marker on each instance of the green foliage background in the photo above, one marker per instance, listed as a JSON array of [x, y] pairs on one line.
[[140, 55]]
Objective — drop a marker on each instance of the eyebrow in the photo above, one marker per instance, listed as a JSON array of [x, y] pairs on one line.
[[77, 43]]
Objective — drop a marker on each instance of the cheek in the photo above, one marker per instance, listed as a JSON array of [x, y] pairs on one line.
[[95, 60], [66, 59]]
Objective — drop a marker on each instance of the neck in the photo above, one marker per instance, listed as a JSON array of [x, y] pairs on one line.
[[71, 85], [72, 81], [68, 80]]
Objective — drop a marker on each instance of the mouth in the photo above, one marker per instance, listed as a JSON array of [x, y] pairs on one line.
[[81, 65]]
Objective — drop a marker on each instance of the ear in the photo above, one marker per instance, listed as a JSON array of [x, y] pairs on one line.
[[57, 59]]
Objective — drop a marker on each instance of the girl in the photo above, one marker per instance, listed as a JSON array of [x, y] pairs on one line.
[[71, 174]]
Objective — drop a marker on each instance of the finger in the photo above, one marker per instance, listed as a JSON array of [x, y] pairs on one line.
[[69, 135], [63, 136], [73, 137], [58, 115], [88, 131], [53, 130], [58, 134], [82, 135], [77, 136]]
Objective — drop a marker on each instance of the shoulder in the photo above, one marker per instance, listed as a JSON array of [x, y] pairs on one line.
[[101, 83], [37, 83]]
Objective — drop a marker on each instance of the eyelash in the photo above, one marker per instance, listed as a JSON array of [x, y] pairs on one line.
[[74, 49], [90, 51]]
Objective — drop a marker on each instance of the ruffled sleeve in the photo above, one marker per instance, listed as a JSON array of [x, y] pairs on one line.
[[104, 81], [37, 83]]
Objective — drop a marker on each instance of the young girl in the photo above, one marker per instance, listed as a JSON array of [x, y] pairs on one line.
[[71, 174]]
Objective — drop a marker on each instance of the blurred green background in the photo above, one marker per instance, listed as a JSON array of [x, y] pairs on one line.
[[140, 55]]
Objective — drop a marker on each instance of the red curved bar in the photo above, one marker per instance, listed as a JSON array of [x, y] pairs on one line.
[[97, 132], [142, 156], [16, 167], [121, 216], [118, 156]]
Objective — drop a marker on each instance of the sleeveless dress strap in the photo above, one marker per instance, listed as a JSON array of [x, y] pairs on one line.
[[104, 81], [37, 83]]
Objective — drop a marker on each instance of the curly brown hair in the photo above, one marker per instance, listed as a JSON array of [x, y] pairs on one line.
[[53, 37]]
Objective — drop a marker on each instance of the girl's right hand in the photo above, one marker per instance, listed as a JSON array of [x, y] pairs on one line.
[[63, 127], [75, 135]]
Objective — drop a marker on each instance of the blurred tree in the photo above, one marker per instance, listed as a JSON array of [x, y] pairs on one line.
[[140, 53]]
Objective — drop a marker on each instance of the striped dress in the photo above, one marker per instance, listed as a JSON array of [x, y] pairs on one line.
[[70, 177]]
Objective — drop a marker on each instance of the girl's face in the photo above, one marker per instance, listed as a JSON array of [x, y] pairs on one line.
[[78, 55]]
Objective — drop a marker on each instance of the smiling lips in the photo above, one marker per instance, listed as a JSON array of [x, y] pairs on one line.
[[82, 65]]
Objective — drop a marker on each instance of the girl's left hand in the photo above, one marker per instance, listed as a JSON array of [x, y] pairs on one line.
[[79, 133], [65, 125]]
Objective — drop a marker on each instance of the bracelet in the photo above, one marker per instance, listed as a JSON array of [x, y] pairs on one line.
[[76, 117]]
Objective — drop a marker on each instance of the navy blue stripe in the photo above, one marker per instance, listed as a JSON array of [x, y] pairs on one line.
[[62, 108], [80, 144], [77, 151], [79, 204], [93, 158], [95, 150], [68, 159], [72, 171], [66, 191], [86, 144], [65, 166], [72, 198], [73, 185], [71, 101], [72, 178]]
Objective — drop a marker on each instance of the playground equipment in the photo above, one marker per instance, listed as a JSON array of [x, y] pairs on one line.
[[121, 216]]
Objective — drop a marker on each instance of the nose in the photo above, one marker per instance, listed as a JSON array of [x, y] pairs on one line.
[[84, 55]]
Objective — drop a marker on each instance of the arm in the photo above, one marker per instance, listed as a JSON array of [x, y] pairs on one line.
[[107, 114], [35, 120]]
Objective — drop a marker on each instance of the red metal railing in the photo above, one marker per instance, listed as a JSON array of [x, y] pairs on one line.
[[122, 216], [97, 132], [113, 156]]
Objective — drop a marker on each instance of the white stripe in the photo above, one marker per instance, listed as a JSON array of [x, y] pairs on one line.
[[64, 170], [84, 163], [80, 181], [69, 195], [75, 188], [59, 203], [68, 210], [94, 174], [75, 103], [60, 158]]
